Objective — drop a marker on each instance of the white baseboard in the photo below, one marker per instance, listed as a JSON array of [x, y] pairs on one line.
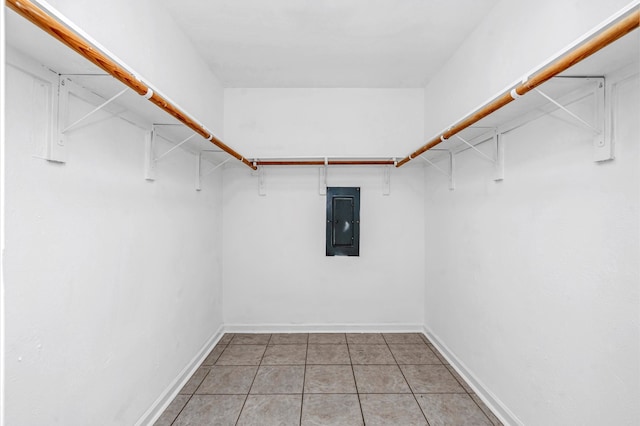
[[498, 408], [323, 328], [165, 398]]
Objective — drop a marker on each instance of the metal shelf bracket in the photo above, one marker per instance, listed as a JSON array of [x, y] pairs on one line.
[[150, 158], [476, 150], [200, 174], [386, 180], [56, 142], [93, 111], [176, 146], [322, 177], [55, 150], [497, 148], [149, 163], [262, 189], [499, 162], [450, 174], [602, 146]]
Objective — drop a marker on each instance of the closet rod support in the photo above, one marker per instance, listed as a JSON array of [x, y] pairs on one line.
[[451, 174], [386, 180], [322, 177], [216, 167], [199, 174], [565, 109], [482, 154], [93, 111], [435, 166], [175, 147]]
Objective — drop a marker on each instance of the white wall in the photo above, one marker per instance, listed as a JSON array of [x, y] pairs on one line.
[[276, 274], [113, 283], [324, 122], [533, 283]]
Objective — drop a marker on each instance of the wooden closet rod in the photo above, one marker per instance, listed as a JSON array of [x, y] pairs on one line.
[[328, 163], [67, 36], [586, 49]]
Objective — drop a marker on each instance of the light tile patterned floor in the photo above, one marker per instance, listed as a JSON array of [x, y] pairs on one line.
[[326, 379]]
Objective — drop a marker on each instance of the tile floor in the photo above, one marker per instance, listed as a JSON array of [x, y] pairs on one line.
[[326, 379]]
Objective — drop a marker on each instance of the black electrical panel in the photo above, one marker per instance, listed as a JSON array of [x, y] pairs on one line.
[[343, 221]]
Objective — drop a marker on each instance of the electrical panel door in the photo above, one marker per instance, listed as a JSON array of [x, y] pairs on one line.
[[343, 221]]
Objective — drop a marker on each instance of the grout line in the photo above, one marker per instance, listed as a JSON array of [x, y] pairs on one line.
[[304, 378], [460, 381], [354, 379], [194, 392], [480, 408], [326, 393], [405, 379], [252, 381], [181, 410]]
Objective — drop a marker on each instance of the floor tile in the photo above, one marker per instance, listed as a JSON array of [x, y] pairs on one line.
[[289, 338], [405, 338], [211, 410], [226, 338], [241, 355], [172, 411], [365, 338], [380, 379], [250, 339], [272, 368], [370, 354], [228, 380], [327, 338], [214, 355], [391, 410], [438, 354], [328, 354], [460, 380], [329, 379], [452, 409], [431, 379], [268, 410], [331, 410], [492, 417], [194, 381], [278, 379], [285, 355], [413, 354]]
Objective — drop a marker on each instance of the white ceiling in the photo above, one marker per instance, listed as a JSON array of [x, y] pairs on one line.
[[327, 43]]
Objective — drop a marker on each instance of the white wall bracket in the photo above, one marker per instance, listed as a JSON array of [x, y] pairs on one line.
[[452, 171], [262, 189], [199, 174], [497, 148], [476, 150], [149, 162], [93, 111], [50, 90], [450, 174], [176, 146], [602, 146], [150, 158], [386, 180], [499, 163], [60, 116], [55, 150], [322, 177]]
